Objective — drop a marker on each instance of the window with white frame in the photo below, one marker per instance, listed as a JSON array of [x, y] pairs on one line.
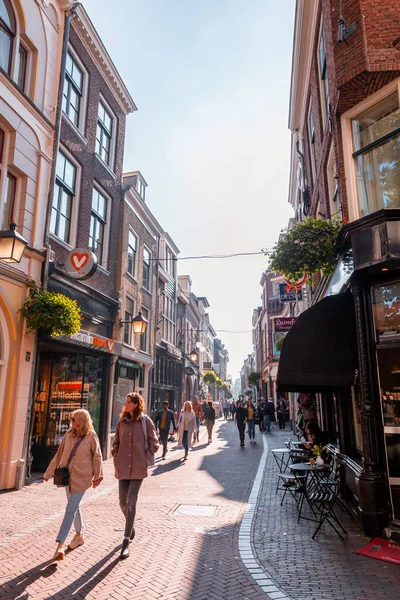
[[333, 188], [98, 223], [7, 35], [323, 75], [104, 134], [132, 250], [73, 89], [169, 261], [311, 139], [128, 316], [146, 271], [140, 187], [63, 197], [22, 67], [145, 337], [169, 315], [376, 153]]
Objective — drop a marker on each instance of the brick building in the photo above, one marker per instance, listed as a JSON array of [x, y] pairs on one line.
[[31, 45], [345, 349], [84, 208]]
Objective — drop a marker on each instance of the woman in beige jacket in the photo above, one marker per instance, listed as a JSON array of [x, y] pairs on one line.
[[186, 427], [85, 470], [134, 446]]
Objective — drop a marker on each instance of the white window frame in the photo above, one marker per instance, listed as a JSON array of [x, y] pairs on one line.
[[75, 204], [126, 325], [311, 145], [135, 262], [104, 261], [348, 148], [111, 164], [146, 336], [148, 289], [84, 97]]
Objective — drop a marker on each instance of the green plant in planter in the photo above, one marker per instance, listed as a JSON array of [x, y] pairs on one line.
[[52, 312], [309, 247], [219, 382], [209, 377], [278, 344]]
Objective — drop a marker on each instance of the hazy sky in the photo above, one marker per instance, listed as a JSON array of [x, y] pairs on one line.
[[211, 81]]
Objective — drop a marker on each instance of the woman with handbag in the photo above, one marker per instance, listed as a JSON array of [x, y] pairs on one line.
[[135, 443], [186, 427], [77, 466]]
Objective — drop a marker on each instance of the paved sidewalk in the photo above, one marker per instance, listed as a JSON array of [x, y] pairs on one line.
[[173, 557], [322, 569]]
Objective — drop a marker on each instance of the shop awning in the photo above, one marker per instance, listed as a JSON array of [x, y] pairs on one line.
[[129, 365], [319, 353]]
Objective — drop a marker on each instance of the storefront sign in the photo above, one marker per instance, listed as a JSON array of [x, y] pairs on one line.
[[288, 293], [284, 323], [97, 342], [80, 263], [174, 351]]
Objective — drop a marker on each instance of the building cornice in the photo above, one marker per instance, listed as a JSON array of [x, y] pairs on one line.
[[92, 42]]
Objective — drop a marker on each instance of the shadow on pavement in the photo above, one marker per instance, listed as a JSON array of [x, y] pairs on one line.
[[21, 582], [165, 467]]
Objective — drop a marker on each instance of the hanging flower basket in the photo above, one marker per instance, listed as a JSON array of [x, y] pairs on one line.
[[309, 247], [209, 377], [55, 314]]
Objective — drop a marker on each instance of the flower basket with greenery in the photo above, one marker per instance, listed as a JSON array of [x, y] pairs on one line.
[[55, 313], [254, 378], [309, 247], [209, 377], [219, 383]]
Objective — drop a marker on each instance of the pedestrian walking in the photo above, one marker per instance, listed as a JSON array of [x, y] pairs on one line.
[[241, 417], [135, 443], [225, 409], [79, 461], [281, 412], [269, 414], [260, 410], [210, 420], [251, 426], [232, 409], [198, 412], [186, 427], [163, 421], [204, 407]]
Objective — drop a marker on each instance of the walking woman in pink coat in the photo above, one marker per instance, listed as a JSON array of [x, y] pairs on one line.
[[135, 443]]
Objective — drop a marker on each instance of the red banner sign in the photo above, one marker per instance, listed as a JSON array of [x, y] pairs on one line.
[[284, 323]]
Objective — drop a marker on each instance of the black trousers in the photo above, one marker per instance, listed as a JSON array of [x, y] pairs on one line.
[[281, 419], [241, 427], [128, 495], [164, 440]]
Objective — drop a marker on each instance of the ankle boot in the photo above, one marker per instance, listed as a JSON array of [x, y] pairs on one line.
[[132, 534], [60, 552], [125, 549], [76, 541]]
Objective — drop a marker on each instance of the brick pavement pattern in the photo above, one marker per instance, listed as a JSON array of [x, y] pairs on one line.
[[322, 569], [172, 557]]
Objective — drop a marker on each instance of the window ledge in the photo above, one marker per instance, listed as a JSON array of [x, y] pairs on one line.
[[74, 127], [131, 277], [147, 291], [61, 242], [103, 269], [105, 165]]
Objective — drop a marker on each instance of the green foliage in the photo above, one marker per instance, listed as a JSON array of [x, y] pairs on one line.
[[254, 378], [309, 247], [219, 382], [278, 344], [225, 387], [209, 377], [51, 311]]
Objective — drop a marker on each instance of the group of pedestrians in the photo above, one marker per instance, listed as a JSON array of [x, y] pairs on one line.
[[264, 414]]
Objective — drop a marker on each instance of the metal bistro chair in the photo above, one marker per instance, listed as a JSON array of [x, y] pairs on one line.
[[284, 479], [325, 496]]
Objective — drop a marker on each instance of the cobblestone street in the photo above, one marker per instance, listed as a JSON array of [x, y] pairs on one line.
[[178, 556]]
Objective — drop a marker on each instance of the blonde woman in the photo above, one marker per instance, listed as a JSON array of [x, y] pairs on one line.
[[80, 450], [186, 427], [135, 443]]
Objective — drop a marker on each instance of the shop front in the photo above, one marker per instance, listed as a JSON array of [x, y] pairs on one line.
[[166, 379]]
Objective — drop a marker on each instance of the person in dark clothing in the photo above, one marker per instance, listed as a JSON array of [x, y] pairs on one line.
[[163, 422], [210, 420], [269, 414], [260, 413], [281, 412], [241, 418]]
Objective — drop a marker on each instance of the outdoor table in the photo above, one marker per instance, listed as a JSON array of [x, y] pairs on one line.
[[313, 475], [280, 458]]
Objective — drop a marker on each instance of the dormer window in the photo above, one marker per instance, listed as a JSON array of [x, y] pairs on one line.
[[7, 35], [140, 187]]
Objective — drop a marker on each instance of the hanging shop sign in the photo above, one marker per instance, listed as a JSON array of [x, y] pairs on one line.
[[284, 323], [288, 293], [95, 342], [80, 263]]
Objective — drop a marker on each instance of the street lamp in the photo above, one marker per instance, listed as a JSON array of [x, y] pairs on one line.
[[139, 323], [12, 245], [193, 355]]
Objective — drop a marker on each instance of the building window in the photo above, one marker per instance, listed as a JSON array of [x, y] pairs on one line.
[[323, 74], [64, 192], [169, 262], [376, 145], [169, 320], [9, 201], [144, 338], [7, 35], [140, 187], [104, 134], [128, 316], [72, 90], [146, 283], [22, 63], [311, 137], [333, 188], [132, 248], [98, 224]]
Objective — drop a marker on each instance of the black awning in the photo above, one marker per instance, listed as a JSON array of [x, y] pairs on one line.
[[319, 352]]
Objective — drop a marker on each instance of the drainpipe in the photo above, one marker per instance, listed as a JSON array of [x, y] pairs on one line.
[[155, 327]]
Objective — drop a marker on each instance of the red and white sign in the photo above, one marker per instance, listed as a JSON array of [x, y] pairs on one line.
[[80, 263], [284, 323]]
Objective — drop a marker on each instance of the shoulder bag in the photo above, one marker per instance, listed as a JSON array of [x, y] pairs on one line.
[[61, 475]]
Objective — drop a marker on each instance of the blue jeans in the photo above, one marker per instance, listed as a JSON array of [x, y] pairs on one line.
[[251, 428], [72, 515], [185, 441]]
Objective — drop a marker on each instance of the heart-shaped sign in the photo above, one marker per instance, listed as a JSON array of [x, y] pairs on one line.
[[78, 261]]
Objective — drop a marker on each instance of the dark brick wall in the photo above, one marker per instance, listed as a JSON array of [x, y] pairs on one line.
[[93, 170]]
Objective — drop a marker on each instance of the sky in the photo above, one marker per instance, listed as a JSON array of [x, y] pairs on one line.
[[211, 81]]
